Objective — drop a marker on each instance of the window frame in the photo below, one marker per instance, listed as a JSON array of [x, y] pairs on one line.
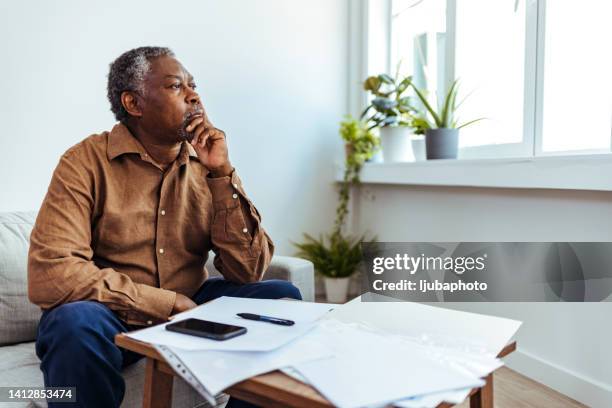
[[378, 25]]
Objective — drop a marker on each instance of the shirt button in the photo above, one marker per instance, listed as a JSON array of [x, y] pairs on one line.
[[234, 195], [149, 321], [161, 250], [245, 230], [163, 212]]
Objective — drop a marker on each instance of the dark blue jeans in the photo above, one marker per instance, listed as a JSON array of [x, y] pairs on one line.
[[75, 342]]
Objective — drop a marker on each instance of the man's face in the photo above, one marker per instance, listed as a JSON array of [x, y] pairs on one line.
[[170, 102]]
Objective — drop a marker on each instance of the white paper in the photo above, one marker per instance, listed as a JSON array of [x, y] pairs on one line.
[[217, 370], [260, 336], [430, 331], [465, 341], [425, 401], [429, 325], [433, 400], [368, 369], [183, 371]]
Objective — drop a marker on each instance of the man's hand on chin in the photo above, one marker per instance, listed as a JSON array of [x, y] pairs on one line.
[[209, 143], [181, 304]]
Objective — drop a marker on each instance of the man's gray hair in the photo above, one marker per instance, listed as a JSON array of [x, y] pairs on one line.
[[127, 73]]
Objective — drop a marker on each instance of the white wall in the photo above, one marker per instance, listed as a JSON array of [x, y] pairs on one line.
[[272, 74], [564, 345]]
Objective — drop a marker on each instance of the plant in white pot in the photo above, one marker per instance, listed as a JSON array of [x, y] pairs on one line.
[[391, 112], [441, 127], [419, 126], [338, 256]]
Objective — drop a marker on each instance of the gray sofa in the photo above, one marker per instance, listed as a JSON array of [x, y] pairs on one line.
[[19, 365]]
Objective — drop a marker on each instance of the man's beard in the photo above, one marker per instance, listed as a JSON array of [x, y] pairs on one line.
[[187, 119], [183, 134]]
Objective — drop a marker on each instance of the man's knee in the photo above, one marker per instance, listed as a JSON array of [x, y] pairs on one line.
[[75, 324], [279, 289], [74, 317]]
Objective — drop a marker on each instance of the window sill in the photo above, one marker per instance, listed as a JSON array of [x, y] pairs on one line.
[[578, 172]]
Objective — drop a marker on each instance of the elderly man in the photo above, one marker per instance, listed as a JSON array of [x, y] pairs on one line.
[[124, 231]]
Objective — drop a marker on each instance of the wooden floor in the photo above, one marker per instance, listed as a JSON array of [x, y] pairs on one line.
[[513, 390]]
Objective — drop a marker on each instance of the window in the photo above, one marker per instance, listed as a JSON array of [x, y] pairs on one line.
[[577, 80], [538, 71]]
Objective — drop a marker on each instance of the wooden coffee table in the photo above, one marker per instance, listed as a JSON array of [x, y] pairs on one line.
[[273, 389]]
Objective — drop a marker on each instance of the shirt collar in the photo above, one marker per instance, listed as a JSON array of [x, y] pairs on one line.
[[121, 141], [186, 152]]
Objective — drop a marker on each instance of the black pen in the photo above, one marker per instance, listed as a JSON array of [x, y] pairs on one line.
[[268, 319]]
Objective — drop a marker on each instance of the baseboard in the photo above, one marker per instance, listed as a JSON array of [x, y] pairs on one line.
[[583, 389]]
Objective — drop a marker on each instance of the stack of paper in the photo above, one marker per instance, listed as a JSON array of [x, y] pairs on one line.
[[212, 371], [464, 344], [361, 354], [211, 366], [369, 368]]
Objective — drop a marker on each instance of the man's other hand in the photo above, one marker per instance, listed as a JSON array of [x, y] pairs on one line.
[[182, 304]]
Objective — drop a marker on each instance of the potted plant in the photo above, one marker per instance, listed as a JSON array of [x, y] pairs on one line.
[[391, 112], [337, 257], [360, 143], [442, 131], [419, 126]]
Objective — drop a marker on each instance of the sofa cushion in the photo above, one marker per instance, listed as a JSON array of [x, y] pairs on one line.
[[19, 317]]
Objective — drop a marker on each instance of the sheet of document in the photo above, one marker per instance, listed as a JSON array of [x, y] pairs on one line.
[[429, 325], [425, 401], [470, 364], [453, 339], [260, 336], [433, 400], [217, 370], [385, 370], [184, 372]]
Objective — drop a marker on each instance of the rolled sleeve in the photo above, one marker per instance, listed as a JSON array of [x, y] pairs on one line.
[[225, 191], [157, 302], [242, 246]]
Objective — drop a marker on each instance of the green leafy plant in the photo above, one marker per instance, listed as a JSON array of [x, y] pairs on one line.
[[334, 257], [445, 117], [390, 106], [337, 255], [419, 125], [361, 144]]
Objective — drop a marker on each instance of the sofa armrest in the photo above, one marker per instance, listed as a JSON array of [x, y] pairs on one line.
[[298, 271]]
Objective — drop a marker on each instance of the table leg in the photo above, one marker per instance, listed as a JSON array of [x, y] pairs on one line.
[[483, 398], [157, 387]]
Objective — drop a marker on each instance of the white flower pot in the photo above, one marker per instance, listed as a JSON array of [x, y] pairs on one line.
[[396, 146], [418, 148], [336, 289]]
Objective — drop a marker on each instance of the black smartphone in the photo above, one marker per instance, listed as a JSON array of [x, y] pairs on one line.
[[204, 328]]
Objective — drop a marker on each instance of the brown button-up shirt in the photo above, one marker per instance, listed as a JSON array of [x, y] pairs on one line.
[[116, 228]]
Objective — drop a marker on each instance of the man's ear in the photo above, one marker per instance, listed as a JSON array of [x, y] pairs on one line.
[[130, 103]]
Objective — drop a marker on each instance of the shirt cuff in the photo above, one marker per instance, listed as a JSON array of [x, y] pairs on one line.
[[155, 302], [225, 191]]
